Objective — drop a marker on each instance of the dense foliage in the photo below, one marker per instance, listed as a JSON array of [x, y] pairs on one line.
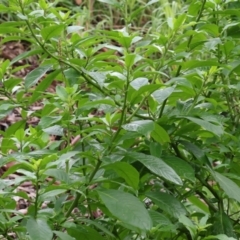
[[139, 138]]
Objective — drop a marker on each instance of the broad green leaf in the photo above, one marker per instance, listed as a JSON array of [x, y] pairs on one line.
[[63, 235], [142, 126], [127, 172], [222, 224], [189, 225], [43, 85], [9, 30], [62, 93], [211, 28], [34, 76], [127, 208], [47, 121], [147, 89], [18, 166], [52, 31], [111, 2], [84, 232], [198, 153], [72, 29], [97, 225], [152, 2], [161, 221], [167, 203], [97, 77], [4, 66], [27, 54], [129, 60], [229, 187], [14, 127], [198, 203], [38, 229], [139, 82], [219, 237], [8, 144], [159, 134], [157, 166], [50, 194], [197, 64], [215, 129], [67, 156], [72, 76], [155, 149], [98, 103], [179, 21], [54, 130], [162, 94], [59, 174], [182, 168]]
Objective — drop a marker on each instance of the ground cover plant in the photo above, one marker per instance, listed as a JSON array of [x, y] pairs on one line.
[[119, 119]]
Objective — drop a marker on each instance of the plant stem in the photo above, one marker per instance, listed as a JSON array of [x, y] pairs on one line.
[[124, 110]]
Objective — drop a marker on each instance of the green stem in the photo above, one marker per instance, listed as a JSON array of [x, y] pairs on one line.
[[124, 109], [37, 195], [137, 109], [99, 162], [73, 205]]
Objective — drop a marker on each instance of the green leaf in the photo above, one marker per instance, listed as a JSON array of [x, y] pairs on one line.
[[219, 237], [98, 103], [98, 225], [142, 126], [127, 172], [198, 203], [139, 82], [34, 76], [126, 208], [52, 31], [59, 174], [26, 54], [229, 187], [72, 76], [131, 59], [47, 121], [211, 28], [63, 235], [162, 221], [9, 30], [39, 230], [84, 232], [111, 2], [98, 77], [215, 129], [197, 152], [43, 85], [159, 134], [182, 168], [197, 64], [54, 130], [167, 203], [189, 225], [155, 149], [162, 94], [72, 29], [14, 127], [50, 194], [62, 93], [222, 225], [157, 166]]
